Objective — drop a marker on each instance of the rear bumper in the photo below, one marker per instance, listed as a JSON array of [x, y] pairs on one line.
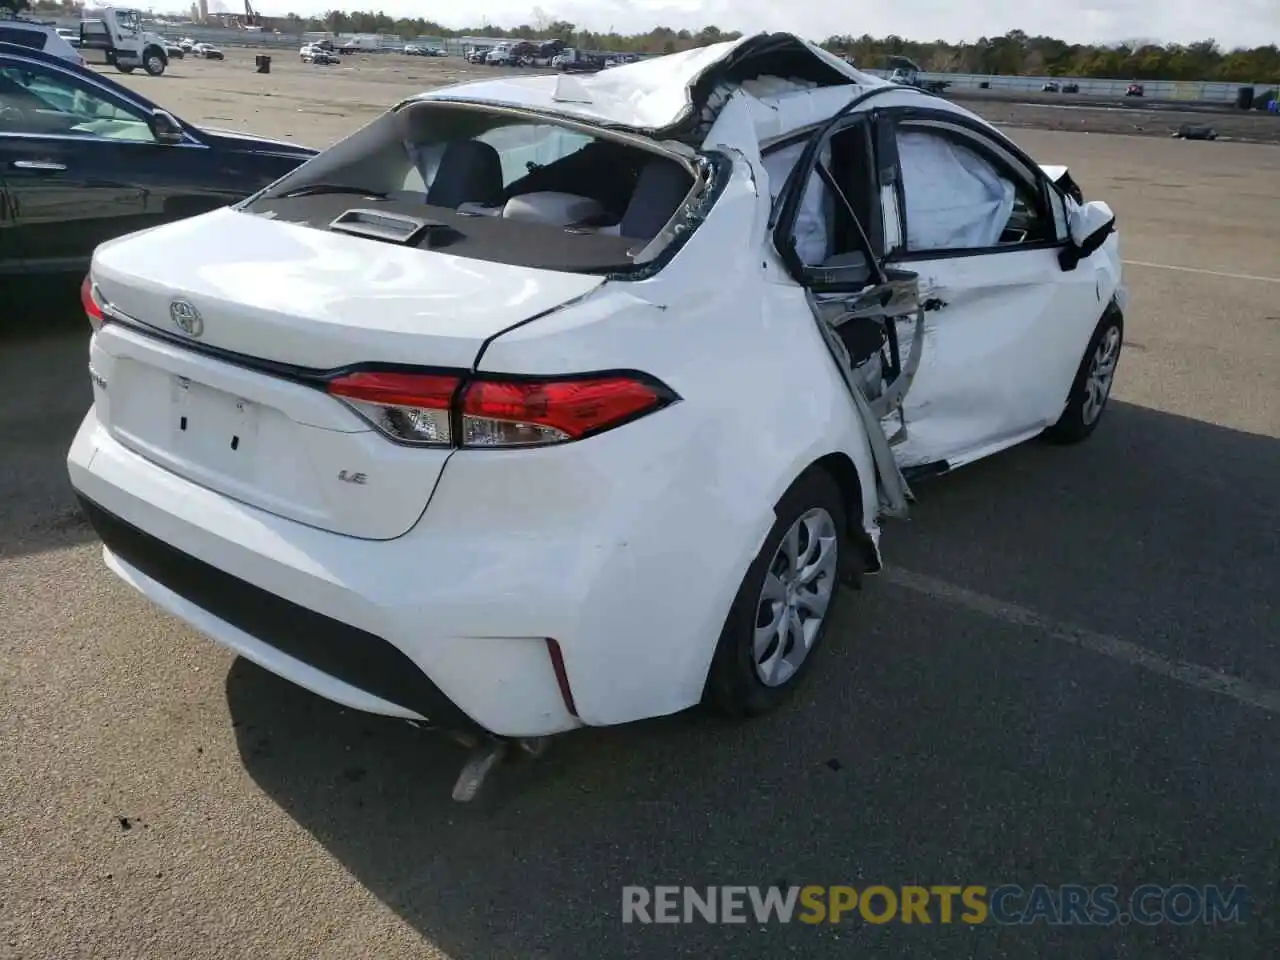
[[305, 604], [274, 631], [449, 623]]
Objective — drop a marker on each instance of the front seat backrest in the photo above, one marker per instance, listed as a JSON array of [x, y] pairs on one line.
[[470, 172], [660, 189]]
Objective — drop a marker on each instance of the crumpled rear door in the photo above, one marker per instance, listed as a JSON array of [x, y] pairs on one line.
[[864, 312], [862, 331]]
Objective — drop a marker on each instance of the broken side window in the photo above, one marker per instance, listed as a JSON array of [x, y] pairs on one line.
[[815, 216]]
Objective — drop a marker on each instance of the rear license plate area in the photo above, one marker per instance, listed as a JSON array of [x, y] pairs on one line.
[[212, 428]]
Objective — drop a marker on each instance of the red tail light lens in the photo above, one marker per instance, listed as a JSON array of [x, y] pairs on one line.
[[89, 301], [500, 413], [426, 409], [409, 408]]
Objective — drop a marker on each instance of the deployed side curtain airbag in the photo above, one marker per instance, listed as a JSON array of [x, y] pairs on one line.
[[814, 219], [954, 198]]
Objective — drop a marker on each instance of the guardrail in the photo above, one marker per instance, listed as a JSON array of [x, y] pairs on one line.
[[1208, 90]]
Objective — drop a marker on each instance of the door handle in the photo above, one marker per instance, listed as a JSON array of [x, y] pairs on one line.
[[46, 165]]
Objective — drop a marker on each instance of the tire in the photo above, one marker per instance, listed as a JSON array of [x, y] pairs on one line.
[[153, 61], [736, 684], [122, 68], [1084, 409]]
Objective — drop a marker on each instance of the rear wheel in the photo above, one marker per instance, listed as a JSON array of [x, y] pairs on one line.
[[122, 68], [781, 611], [1092, 386]]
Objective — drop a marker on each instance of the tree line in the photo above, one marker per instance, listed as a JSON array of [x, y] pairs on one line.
[[1014, 54]]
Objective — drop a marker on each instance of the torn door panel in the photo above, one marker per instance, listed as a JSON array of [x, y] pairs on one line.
[[861, 332]]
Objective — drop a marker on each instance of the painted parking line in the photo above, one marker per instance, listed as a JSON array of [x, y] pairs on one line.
[[1208, 273], [1188, 674]]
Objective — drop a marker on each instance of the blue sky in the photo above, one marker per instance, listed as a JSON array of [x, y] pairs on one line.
[[1231, 22]]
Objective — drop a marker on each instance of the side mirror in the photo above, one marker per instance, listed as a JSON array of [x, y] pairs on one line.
[[1088, 226], [165, 127]]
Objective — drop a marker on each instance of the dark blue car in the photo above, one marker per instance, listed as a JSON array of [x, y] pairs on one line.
[[84, 159]]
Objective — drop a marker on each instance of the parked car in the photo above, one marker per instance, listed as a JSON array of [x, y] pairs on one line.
[[312, 53], [84, 159], [1135, 90], [544, 429], [208, 51], [34, 35], [1051, 87], [174, 50], [1071, 88]]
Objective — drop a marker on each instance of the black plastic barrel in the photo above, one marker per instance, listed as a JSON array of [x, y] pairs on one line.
[[263, 62], [1244, 98]]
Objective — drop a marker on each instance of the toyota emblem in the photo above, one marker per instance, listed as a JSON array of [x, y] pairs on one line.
[[186, 318]]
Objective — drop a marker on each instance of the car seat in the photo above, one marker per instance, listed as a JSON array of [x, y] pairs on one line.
[[470, 172], [660, 189]]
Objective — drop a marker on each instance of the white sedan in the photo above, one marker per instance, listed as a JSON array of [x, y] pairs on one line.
[[557, 401], [316, 54]]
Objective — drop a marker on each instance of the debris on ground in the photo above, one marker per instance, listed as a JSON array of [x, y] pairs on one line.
[[1196, 131]]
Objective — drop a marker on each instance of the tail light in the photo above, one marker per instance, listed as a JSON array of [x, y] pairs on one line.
[[407, 407], [89, 300], [440, 410]]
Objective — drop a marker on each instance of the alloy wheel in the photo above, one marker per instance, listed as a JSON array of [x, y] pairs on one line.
[[797, 591], [1102, 369]]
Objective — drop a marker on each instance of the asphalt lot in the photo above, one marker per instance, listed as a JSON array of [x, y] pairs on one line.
[[1070, 674]]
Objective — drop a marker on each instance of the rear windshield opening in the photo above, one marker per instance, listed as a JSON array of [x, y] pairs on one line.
[[495, 186]]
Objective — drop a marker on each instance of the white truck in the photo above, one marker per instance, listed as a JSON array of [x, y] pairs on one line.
[[359, 43], [499, 56], [114, 35]]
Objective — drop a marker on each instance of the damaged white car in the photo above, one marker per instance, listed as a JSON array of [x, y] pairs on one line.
[[555, 401]]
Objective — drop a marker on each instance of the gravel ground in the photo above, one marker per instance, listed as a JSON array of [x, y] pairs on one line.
[[1070, 673]]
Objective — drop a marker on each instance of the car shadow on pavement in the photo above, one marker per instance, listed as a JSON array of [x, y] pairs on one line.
[[933, 744], [44, 393]]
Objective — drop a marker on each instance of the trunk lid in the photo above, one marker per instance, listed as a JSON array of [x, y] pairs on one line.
[[309, 298], [304, 301]]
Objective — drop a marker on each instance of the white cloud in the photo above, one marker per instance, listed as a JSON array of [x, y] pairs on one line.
[[1231, 22]]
